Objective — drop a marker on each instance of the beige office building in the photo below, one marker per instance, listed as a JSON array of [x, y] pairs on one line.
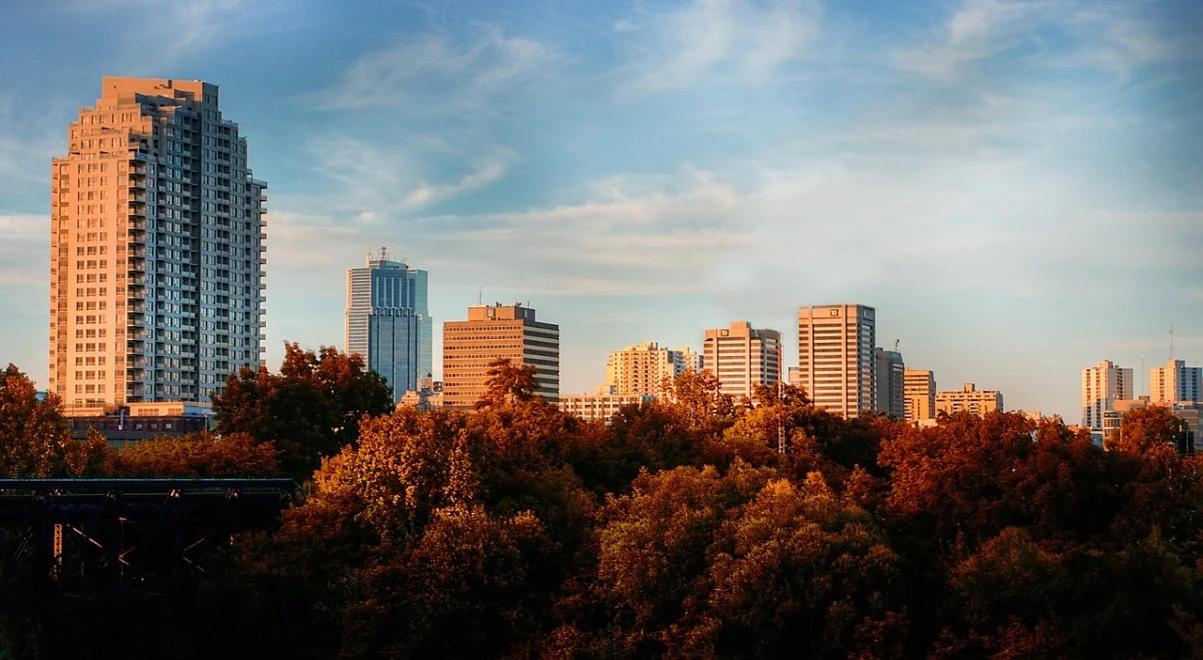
[[969, 399], [742, 357], [156, 242], [1175, 382], [644, 368], [1102, 385], [920, 392], [600, 407], [498, 331], [837, 357]]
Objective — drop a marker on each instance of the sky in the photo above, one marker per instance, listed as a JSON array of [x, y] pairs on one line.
[[1016, 187]]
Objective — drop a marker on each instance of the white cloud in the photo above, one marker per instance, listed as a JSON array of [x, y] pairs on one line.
[[1114, 37], [735, 39], [435, 73]]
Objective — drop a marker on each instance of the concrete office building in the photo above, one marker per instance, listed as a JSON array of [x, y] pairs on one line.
[[891, 384], [742, 357], [920, 393], [643, 368], [1102, 385], [600, 407], [156, 248], [388, 321], [837, 360], [498, 331], [1175, 382], [969, 399]]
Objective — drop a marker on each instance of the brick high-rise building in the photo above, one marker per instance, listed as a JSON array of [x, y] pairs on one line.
[[837, 360], [388, 322], [498, 331], [742, 357], [157, 240]]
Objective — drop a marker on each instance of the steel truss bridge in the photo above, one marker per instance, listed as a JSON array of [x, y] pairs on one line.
[[90, 542]]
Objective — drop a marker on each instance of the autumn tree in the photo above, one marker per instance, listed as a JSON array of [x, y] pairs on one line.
[[506, 382], [308, 411], [32, 434], [198, 455]]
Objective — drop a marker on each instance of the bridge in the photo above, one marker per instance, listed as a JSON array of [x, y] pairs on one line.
[[86, 542]]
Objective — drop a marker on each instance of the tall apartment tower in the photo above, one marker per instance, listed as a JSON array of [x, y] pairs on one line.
[[156, 248], [1175, 382], [891, 383], [641, 369], [837, 363], [920, 392], [1102, 385], [742, 357], [498, 331], [388, 321]]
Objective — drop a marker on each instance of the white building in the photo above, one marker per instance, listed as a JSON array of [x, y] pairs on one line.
[[1175, 382], [742, 357], [1102, 385]]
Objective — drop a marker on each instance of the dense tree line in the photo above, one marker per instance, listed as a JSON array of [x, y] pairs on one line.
[[680, 529]]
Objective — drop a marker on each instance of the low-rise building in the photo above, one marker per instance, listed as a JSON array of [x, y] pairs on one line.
[[131, 422], [969, 399], [600, 407]]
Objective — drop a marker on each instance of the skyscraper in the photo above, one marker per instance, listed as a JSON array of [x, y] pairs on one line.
[[920, 391], [891, 383], [742, 357], [156, 242], [643, 368], [498, 331], [388, 321], [837, 363], [1175, 382], [1102, 385]]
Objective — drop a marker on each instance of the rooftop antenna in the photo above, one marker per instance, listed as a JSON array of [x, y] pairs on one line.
[[896, 342], [1171, 341], [383, 253], [480, 296]]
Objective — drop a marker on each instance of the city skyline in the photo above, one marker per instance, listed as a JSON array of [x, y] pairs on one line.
[[804, 185]]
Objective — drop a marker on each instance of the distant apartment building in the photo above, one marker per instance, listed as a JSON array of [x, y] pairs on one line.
[[837, 360], [1190, 412], [156, 248], [1102, 385], [427, 396], [644, 368], [600, 407], [891, 384], [388, 321], [742, 357], [969, 399], [1175, 382], [498, 331], [920, 393]]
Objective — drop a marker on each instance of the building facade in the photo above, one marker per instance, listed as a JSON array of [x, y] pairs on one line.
[[388, 321], [969, 399], [891, 383], [837, 360], [1175, 382], [157, 235], [498, 331], [644, 368], [920, 393], [600, 407], [742, 357], [1102, 385]]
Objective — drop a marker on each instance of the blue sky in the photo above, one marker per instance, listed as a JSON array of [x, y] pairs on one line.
[[1015, 186]]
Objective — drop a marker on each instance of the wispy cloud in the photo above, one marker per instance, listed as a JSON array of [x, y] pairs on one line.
[[434, 73], [734, 39], [1114, 37]]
